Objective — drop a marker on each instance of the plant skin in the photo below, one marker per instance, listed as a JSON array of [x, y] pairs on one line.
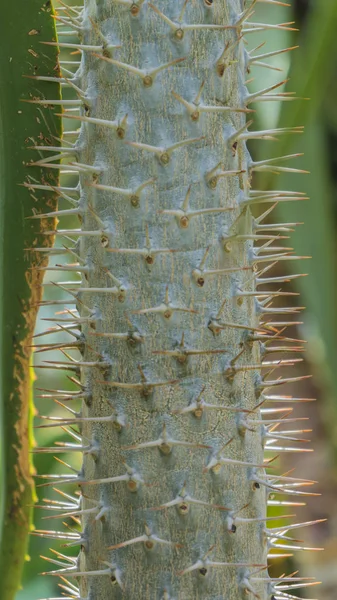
[[174, 320], [22, 28]]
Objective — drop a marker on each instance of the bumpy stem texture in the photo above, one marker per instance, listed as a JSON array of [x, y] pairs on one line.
[[168, 90], [170, 328]]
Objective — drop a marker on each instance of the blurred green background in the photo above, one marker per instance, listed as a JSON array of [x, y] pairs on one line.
[[312, 69]]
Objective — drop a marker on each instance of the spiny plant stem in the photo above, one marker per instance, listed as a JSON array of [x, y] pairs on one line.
[[171, 323]]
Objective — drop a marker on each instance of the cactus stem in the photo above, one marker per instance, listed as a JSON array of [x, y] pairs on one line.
[[209, 113]]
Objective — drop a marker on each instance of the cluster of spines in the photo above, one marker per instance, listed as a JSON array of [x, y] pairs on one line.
[[265, 333]]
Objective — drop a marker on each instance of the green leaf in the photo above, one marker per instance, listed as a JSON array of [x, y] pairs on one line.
[[24, 25]]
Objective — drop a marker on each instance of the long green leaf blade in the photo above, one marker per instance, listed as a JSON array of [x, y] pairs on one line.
[[23, 26]]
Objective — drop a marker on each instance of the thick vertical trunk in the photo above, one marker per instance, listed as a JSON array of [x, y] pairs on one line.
[[176, 94], [174, 486]]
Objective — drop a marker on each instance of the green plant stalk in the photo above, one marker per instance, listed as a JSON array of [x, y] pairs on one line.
[[174, 324], [23, 26]]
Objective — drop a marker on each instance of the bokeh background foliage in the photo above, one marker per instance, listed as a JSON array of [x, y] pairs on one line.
[[312, 70]]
